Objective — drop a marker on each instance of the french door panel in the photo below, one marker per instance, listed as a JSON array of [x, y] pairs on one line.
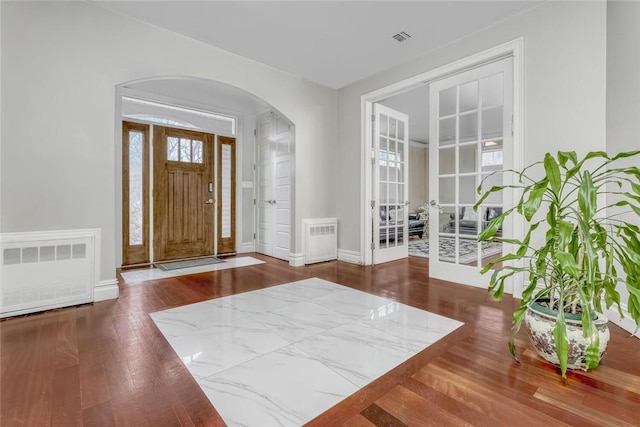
[[470, 140], [390, 184], [183, 194]]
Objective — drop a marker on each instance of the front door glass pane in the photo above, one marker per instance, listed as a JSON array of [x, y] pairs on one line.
[[136, 201]]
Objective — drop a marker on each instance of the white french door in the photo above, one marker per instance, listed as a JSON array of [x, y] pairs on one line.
[[274, 143], [470, 138], [390, 190]]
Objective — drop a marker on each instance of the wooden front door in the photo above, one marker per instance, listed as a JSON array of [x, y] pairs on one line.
[[183, 194]]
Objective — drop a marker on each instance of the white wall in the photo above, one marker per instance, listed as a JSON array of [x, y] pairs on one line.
[[564, 91], [623, 91], [61, 62]]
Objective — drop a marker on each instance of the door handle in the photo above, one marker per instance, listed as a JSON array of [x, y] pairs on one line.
[[209, 202]]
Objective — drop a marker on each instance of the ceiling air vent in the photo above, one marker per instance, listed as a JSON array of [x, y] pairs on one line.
[[401, 36]]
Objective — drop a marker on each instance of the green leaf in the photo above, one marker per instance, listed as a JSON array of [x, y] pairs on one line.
[[551, 216], [561, 341], [565, 234], [531, 206], [567, 263], [492, 227], [553, 173], [594, 154], [587, 196], [563, 156], [590, 332], [625, 154]]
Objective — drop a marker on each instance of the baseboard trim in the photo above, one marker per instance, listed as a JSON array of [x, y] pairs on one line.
[[296, 260], [105, 290], [352, 257], [246, 248]]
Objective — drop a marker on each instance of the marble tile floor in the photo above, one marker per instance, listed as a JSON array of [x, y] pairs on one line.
[[280, 356], [135, 276]]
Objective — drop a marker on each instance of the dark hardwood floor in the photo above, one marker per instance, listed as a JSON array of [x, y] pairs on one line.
[[107, 364]]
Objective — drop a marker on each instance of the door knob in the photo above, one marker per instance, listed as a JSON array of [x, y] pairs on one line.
[[209, 202]]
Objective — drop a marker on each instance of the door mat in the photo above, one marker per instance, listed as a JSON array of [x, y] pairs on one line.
[[176, 265]]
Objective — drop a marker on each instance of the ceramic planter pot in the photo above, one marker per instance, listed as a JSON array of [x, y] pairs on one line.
[[540, 323]]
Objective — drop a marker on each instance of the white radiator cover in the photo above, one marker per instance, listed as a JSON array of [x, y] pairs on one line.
[[45, 270], [320, 239]]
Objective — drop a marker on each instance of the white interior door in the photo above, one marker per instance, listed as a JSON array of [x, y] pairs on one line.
[[390, 184], [274, 145], [470, 138]]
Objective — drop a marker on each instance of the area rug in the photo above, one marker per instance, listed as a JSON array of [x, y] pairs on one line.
[[420, 248], [280, 356], [187, 263]]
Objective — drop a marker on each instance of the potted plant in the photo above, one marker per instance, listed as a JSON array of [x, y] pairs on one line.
[[587, 251]]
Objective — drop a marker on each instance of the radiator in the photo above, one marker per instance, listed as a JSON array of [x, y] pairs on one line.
[[320, 239], [45, 270]]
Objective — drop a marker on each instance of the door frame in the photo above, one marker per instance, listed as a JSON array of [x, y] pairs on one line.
[[515, 49]]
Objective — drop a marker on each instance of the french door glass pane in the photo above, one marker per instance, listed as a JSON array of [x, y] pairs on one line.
[[447, 161], [469, 96], [492, 123], [447, 102], [467, 189], [447, 219], [447, 190], [447, 131], [469, 127], [468, 161], [491, 88]]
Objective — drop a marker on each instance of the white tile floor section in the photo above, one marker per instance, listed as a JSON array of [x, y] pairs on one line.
[[136, 276], [283, 355]]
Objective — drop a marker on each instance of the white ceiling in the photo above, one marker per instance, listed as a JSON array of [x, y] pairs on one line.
[[333, 43]]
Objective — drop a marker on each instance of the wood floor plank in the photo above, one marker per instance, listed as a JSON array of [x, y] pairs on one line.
[[107, 364], [441, 400], [413, 410], [358, 420], [488, 400], [66, 406], [573, 402], [100, 415], [380, 417]]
